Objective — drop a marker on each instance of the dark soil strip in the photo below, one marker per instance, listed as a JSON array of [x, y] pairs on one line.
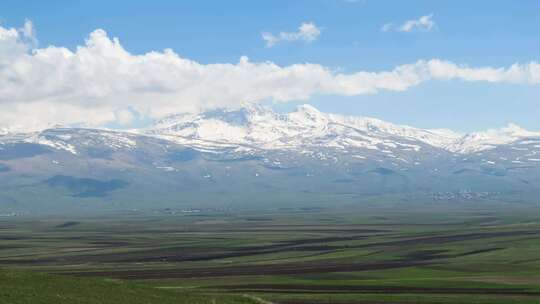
[[182, 254], [450, 238], [282, 288], [286, 269], [312, 301], [67, 225], [414, 259]]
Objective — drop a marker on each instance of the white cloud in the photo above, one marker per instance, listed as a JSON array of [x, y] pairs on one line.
[[387, 27], [27, 30], [307, 31], [424, 23], [100, 82]]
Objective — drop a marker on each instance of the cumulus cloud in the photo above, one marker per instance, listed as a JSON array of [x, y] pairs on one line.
[[100, 82], [424, 23], [307, 31]]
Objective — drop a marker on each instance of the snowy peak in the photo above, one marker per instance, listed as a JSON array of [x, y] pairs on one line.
[[308, 117], [479, 141], [259, 126], [309, 113]]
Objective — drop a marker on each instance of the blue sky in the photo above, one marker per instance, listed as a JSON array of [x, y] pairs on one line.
[[474, 33]]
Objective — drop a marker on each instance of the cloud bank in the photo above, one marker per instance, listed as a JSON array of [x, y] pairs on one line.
[[307, 32], [100, 82]]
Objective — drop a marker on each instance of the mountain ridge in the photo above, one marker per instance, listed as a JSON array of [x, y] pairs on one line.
[[256, 157], [259, 126], [313, 120]]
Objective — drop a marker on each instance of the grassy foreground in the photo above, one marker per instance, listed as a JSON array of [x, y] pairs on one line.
[[433, 254], [23, 287]]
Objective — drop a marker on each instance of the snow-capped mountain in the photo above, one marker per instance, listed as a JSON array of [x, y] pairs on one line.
[[235, 155], [260, 128], [306, 127], [257, 126]]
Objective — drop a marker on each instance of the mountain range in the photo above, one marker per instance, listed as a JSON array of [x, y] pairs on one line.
[[252, 157]]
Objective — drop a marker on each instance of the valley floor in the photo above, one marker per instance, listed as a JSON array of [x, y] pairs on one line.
[[433, 254]]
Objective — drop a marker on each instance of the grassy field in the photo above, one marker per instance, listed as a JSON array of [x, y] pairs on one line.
[[426, 254]]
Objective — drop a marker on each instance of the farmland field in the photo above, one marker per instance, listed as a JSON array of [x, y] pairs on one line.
[[426, 254]]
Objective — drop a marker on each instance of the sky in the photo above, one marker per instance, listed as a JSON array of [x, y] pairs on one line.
[[462, 65]]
